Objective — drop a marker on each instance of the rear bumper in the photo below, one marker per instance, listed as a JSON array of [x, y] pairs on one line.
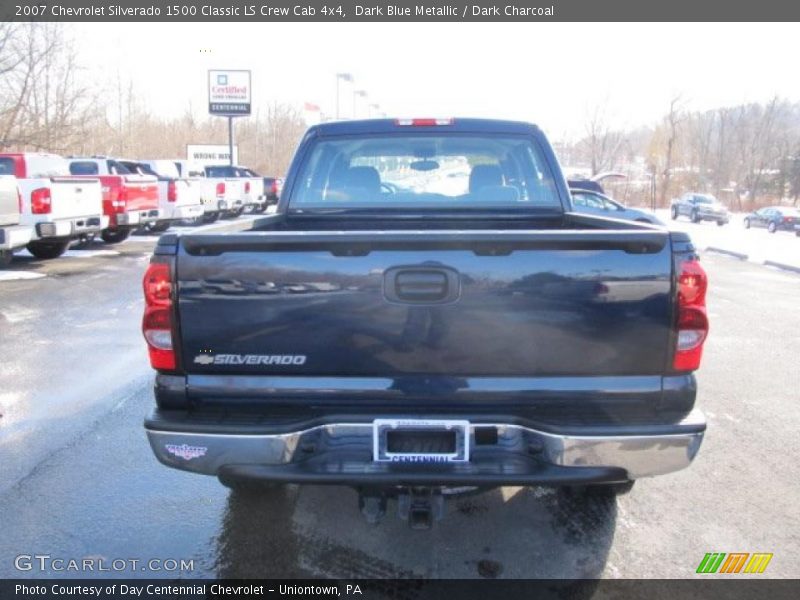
[[66, 228], [134, 218], [179, 213], [15, 236], [341, 453]]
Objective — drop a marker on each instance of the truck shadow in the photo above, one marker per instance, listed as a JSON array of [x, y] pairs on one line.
[[507, 533]]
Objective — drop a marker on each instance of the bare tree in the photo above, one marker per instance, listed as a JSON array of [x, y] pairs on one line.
[[604, 143]]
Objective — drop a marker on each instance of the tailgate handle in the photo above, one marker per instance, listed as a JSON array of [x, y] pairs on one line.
[[421, 285]]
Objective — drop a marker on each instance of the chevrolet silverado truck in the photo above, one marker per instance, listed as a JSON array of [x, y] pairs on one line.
[[59, 208], [251, 186], [13, 235], [130, 200], [178, 197], [424, 314], [220, 196]]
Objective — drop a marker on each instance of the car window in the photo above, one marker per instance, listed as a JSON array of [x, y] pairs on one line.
[[588, 201], [425, 170], [83, 167], [117, 168], [6, 166]]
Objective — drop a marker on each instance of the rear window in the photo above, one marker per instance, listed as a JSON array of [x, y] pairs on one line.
[[6, 166], [220, 172], [425, 171], [83, 168]]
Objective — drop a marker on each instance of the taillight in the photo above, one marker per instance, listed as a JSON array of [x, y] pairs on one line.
[[41, 201], [121, 200], [692, 317], [275, 187], [19, 200], [422, 122], [172, 191], [157, 321], [220, 190], [246, 187]]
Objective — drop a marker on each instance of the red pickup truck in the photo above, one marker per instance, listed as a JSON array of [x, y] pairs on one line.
[[130, 200]]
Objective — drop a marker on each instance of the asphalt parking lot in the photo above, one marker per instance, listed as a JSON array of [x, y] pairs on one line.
[[79, 480]]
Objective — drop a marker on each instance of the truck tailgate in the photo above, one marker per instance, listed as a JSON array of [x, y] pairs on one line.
[[387, 303], [75, 197], [141, 191]]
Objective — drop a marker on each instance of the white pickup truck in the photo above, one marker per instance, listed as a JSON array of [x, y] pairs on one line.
[[220, 196], [178, 197], [59, 208], [253, 196], [12, 234]]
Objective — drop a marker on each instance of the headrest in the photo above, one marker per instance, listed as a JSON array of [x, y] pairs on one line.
[[483, 176]]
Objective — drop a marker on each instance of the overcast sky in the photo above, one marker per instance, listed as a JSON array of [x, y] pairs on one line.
[[551, 74]]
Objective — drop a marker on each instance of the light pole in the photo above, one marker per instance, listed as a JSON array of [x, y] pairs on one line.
[[344, 77], [356, 94], [374, 106]]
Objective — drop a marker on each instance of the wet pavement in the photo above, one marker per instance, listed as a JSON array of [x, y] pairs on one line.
[[78, 480]]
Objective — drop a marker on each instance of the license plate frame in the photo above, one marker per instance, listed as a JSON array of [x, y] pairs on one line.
[[382, 454]]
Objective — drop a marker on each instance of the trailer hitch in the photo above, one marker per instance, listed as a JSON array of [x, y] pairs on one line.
[[420, 506]]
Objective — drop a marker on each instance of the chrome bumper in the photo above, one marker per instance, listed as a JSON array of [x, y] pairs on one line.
[[638, 455], [15, 236], [138, 217]]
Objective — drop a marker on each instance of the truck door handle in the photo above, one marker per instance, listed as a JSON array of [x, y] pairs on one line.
[[421, 285]]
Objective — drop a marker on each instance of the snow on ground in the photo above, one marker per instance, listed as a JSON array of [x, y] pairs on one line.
[[758, 244]]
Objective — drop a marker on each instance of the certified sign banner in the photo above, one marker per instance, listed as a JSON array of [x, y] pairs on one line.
[[229, 92]]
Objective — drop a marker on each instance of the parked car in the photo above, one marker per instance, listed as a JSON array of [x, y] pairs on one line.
[[178, 198], [273, 187], [13, 235], [130, 200], [252, 185], [700, 207], [774, 218], [60, 208], [380, 333], [594, 203]]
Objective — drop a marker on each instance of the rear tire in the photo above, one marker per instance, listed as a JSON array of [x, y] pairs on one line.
[[115, 236], [210, 217], [721, 223], [695, 217], [248, 486], [48, 250], [260, 208], [157, 226], [772, 228], [234, 214], [674, 212], [599, 489]]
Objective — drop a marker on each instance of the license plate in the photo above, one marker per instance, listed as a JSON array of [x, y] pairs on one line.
[[420, 441]]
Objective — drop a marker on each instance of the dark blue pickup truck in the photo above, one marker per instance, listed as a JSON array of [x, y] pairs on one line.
[[425, 314]]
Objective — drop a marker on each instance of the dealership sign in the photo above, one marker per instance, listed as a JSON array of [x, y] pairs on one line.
[[229, 93], [209, 155]]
